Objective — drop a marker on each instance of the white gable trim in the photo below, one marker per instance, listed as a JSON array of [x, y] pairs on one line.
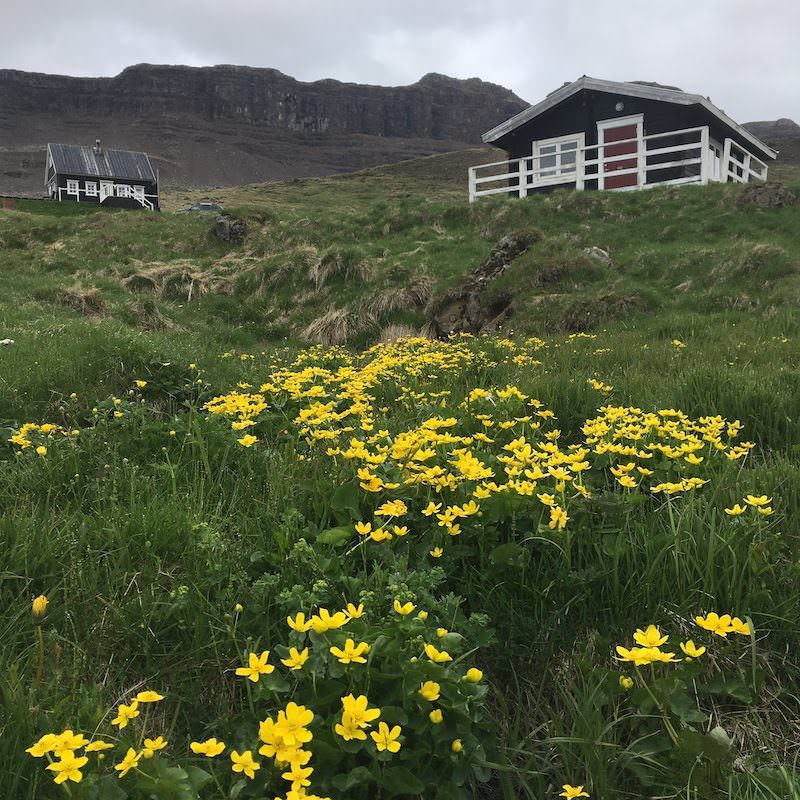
[[631, 90]]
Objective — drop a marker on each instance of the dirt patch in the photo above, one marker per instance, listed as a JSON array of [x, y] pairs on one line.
[[86, 302], [767, 195], [476, 306], [583, 315]]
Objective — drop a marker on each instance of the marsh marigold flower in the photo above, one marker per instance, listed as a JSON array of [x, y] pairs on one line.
[[352, 653], [571, 792], [437, 656], [385, 738], [39, 605], [296, 658], [719, 625], [650, 637], [474, 675], [430, 690], [436, 716], [131, 761], [403, 609], [456, 746], [256, 667], [152, 746], [68, 768], [244, 763], [625, 682], [148, 696], [125, 714], [210, 748], [690, 650]]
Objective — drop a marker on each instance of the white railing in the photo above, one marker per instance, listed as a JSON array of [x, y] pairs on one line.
[[695, 160], [123, 191]]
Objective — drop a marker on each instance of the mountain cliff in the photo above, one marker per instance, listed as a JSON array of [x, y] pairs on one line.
[[223, 125]]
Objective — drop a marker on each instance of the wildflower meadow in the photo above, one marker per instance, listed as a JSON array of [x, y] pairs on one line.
[[557, 560]]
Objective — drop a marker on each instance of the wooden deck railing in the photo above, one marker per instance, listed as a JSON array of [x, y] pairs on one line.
[[655, 154]]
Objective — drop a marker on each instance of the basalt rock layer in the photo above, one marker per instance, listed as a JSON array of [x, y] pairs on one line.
[[227, 125]]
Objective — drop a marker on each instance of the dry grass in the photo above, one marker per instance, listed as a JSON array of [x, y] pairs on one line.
[[179, 280], [415, 295], [344, 264], [87, 302], [333, 327]]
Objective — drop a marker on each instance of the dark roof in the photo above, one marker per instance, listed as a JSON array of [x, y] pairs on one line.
[[75, 159], [648, 90]]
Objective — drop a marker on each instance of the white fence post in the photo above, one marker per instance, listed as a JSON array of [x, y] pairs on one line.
[[726, 161], [471, 182], [580, 168], [746, 175], [523, 178], [705, 152]]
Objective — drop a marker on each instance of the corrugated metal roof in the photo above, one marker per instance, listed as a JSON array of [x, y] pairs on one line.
[[75, 159]]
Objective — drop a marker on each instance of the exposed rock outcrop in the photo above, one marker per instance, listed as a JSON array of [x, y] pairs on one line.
[[767, 195], [475, 307]]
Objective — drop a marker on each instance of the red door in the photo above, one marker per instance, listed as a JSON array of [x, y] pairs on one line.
[[616, 134]]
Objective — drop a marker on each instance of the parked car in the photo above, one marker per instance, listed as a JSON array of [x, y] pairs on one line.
[[204, 206]]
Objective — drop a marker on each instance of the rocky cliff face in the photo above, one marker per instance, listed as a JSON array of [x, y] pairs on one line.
[[436, 107], [227, 125], [774, 130]]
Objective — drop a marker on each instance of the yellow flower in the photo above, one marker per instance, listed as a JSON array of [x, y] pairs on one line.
[[437, 656], [354, 612], [256, 667], [296, 658], [148, 696], [152, 746], [45, 745], [248, 440], [405, 609], [651, 637], [738, 626], [244, 763], [39, 605], [299, 623], [571, 792], [141, 384], [364, 528], [474, 675], [430, 690], [68, 768], [125, 714], [765, 511], [436, 552], [689, 648], [761, 500], [352, 654], [422, 615], [97, 746], [41, 450], [392, 508], [431, 509], [210, 747], [68, 742], [558, 518], [719, 625], [131, 761], [385, 738], [456, 746], [436, 716], [325, 621], [441, 632], [735, 511], [625, 682], [299, 777]]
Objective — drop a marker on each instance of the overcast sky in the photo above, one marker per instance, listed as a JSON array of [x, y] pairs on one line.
[[742, 53]]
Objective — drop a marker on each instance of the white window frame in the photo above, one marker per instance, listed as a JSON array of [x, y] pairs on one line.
[[90, 188], [559, 171], [138, 192], [106, 190], [122, 190], [618, 122], [73, 187]]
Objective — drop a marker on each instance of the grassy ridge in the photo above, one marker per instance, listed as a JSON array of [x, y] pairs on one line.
[[145, 540]]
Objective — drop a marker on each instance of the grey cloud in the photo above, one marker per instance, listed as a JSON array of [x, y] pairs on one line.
[[742, 54]]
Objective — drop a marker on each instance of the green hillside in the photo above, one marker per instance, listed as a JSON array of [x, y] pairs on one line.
[[519, 547]]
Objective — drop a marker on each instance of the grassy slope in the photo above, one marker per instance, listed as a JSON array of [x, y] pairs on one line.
[[679, 254], [143, 552]]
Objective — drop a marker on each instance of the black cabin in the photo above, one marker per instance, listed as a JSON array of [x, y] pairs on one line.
[[596, 134], [120, 178]]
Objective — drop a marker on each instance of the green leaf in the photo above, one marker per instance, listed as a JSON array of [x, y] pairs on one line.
[[345, 502], [506, 554], [359, 776], [198, 778], [685, 708], [399, 781], [274, 682], [336, 536]]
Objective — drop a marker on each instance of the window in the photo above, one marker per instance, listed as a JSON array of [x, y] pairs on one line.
[[91, 189], [138, 192], [72, 187], [556, 160], [122, 190]]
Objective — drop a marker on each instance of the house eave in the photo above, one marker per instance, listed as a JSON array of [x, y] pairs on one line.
[[631, 90]]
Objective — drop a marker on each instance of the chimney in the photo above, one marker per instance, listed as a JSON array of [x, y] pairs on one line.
[[97, 147]]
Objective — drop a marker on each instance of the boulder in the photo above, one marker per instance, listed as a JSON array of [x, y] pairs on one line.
[[767, 195], [230, 229]]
